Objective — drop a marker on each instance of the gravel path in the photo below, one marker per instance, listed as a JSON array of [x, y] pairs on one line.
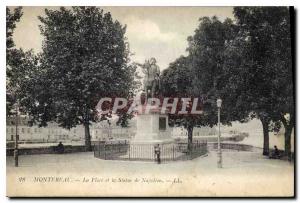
[[243, 173]]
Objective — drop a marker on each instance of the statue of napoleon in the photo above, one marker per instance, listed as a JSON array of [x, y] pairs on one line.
[[151, 80]]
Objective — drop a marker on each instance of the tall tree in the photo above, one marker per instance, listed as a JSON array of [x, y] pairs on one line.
[[200, 74], [13, 57], [176, 82], [12, 17], [282, 60], [84, 58], [258, 64], [207, 52]]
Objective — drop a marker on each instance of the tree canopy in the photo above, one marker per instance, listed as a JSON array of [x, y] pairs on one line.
[[259, 64], [200, 73], [14, 58], [247, 63], [84, 58]]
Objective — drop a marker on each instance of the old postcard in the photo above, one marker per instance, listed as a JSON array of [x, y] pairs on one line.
[[150, 101]]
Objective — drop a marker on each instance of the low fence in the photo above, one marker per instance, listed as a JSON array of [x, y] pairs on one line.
[[123, 150], [46, 150], [149, 152]]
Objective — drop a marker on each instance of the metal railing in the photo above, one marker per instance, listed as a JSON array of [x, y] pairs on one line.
[[149, 152]]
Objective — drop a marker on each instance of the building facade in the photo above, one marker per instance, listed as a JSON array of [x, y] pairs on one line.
[[54, 133]]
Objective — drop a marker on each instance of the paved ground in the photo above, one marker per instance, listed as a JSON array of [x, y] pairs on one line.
[[243, 173]]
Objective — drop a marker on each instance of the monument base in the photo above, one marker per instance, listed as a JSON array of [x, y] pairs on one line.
[[152, 131], [146, 150]]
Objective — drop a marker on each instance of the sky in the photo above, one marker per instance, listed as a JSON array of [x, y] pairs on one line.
[[159, 32]]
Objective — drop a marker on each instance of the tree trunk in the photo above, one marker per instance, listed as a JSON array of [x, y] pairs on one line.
[[287, 140], [88, 146], [266, 147], [190, 137], [288, 128]]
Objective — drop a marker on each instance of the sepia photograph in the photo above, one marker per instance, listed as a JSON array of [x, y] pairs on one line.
[[150, 101]]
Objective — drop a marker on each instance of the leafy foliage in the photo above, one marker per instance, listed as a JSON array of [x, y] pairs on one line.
[[11, 19], [248, 64], [84, 58], [200, 73], [259, 65], [13, 57]]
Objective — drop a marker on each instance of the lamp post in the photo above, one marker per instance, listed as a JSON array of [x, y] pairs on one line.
[[219, 104], [16, 150]]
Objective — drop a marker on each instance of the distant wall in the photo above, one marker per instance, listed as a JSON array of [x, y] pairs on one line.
[[230, 146]]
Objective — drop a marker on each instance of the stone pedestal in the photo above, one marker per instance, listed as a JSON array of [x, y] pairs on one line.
[[152, 130]]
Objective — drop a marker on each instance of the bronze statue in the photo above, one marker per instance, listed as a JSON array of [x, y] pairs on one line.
[[151, 80]]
